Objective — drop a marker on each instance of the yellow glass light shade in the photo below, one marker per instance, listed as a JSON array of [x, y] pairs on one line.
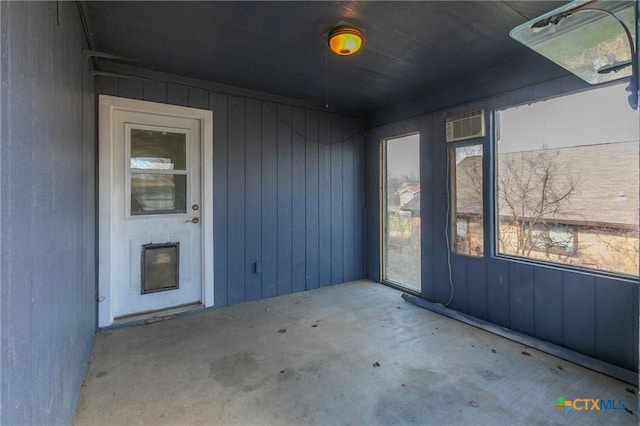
[[345, 41]]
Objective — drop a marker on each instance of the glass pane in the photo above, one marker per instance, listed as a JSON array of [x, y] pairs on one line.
[[152, 149], [160, 267], [467, 224], [156, 193], [402, 211], [567, 181]]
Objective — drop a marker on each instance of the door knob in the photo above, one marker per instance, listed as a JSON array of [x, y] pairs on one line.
[[195, 207], [194, 220]]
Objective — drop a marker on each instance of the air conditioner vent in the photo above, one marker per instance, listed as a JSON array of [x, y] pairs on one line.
[[469, 125]]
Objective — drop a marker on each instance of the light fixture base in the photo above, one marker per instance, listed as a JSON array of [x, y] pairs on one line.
[[345, 40]]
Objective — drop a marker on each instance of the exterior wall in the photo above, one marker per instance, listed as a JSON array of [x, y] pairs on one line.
[[604, 249], [288, 189], [591, 313], [47, 227]]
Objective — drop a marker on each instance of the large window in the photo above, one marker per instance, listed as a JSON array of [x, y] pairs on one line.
[[466, 200], [401, 211], [567, 181]]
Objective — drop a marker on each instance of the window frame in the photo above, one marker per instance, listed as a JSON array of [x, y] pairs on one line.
[[494, 196], [382, 196], [452, 192]]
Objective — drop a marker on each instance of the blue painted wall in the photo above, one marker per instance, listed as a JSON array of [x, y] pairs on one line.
[[592, 314], [288, 184], [47, 227]]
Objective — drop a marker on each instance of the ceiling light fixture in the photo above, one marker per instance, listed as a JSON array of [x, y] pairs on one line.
[[345, 41]]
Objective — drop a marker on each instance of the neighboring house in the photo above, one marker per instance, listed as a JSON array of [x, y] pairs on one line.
[[407, 193], [412, 206], [585, 215]]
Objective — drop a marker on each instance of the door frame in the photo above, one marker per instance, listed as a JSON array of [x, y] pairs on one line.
[[107, 105]]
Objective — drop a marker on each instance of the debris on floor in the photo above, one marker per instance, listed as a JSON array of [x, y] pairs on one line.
[[159, 319], [376, 364], [525, 353], [282, 330], [474, 404]]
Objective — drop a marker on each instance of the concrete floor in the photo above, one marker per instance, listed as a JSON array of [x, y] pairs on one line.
[[351, 354]]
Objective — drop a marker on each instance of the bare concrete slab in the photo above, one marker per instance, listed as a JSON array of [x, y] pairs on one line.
[[351, 354]]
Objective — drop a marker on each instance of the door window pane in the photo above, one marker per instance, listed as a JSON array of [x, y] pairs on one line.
[[466, 203], [153, 149], [401, 219], [158, 193]]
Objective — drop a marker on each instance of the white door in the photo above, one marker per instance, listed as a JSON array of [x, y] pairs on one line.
[[155, 212]]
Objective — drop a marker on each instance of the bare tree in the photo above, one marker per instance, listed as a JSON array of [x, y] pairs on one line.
[[534, 190], [550, 207]]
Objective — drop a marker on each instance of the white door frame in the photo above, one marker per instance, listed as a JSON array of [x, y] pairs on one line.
[[107, 106]]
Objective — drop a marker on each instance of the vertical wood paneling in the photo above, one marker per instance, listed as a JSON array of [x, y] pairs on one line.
[[311, 200], [548, 302], [499, 311], [269, 200], [154, 91], [198, 98], [218, 104], [298, 186], [372, 204], [284, 199], [578, 322], [428, 288], [177, 94], [47, 194], [348, 199], [442, 286], [439, 151], [614, 306], [130, 88], [477, 287], [426, 210], [359, 209], [253, 207], [337, 229], [459, 276], [107, 85], [16, 323], [324, 199], [236, 197], [521, 298], [440, 266]]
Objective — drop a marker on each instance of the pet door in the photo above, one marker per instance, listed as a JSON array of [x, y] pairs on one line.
[[160, 267]]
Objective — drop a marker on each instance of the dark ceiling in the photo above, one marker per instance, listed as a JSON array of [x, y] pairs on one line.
[[280, 47]]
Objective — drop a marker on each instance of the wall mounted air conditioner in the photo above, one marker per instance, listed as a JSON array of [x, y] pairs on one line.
[[469, 125]]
